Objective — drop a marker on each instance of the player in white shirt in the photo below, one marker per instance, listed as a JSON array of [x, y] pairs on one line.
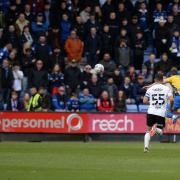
[[157, 96]]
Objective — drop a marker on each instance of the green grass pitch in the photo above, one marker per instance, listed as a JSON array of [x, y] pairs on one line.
[[88, 161]]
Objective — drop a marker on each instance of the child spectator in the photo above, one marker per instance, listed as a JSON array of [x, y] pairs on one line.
[[73, 103]]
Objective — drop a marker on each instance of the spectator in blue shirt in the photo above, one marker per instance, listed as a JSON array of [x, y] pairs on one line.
[[73, 103], [87, 101], [4, 52], [59, 100]]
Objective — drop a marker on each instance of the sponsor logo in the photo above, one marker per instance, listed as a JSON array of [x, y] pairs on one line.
[[74, 122], [113, 125]]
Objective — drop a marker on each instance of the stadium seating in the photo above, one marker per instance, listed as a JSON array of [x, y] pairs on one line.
[[143, 108], [131, 108]]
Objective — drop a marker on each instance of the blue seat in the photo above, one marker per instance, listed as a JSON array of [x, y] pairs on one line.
[[143, 107], [131, 108]]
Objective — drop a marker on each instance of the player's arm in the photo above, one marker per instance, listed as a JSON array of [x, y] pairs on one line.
[[146, 97]]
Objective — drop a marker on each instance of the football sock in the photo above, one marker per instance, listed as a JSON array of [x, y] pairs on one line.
[[147, 139]]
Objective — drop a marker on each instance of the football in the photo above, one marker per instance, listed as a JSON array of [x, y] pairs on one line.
[[99, 68]]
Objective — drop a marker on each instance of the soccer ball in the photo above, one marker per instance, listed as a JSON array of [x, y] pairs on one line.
[[99, 68]]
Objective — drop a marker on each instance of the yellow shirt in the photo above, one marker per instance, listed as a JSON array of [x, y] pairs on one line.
[[174, 80]]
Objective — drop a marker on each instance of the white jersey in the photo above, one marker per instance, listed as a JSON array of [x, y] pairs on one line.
[[158, 99]]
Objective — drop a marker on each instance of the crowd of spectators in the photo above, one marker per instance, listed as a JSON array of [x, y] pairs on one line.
[[48, 49]]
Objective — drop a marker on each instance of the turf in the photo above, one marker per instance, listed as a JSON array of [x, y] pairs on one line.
[[88, 161]]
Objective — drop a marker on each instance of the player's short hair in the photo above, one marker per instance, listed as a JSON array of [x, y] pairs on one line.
[[159, 77]]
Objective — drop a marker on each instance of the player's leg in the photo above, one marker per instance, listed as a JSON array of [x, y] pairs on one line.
[[176, 108], [169, 113]]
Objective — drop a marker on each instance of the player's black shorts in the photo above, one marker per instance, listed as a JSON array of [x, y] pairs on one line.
[[154, 119]]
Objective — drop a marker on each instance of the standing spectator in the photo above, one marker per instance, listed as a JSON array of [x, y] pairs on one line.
[[39, 26], [120, 102], [36, 6], [176, 14], [161, 37], [27, 12], [109, 64], [175, 48], [18, 79], [170, 24], [56, 79], [26, 36], [6, 80], [93, 47], [111, 88], [107, 42], [85, 14], [164, 65], [123, 12], [21, 22], [65, 28], [86, 75], [25, 101], [131, 73], [118, 77], [105, 103], [35, 100], [4, 52], [73, 103], [123, 54], [74, 47], [14, 103], [94, 86], [86, 101], [59, 100], [139, 47], [148, 76], [138, 91], [128, 90], [72, 77], [38, 76], [43, 51]]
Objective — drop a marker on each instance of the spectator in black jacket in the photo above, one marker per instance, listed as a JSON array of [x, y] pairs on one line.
[[93, 47], [6, 82], [72, 77], [43, 51], [38, 76]]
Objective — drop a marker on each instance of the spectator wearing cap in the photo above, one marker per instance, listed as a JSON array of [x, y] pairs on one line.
[[108, 63], [86, 101], [6, 80], [59, 100], [162, 37], [56, 79], [72, 77], [38, 76], [43, 51], [93, 47], [39, 26], [74, 47], [138, 91], [20, 23], [105, 103], [139, 47]]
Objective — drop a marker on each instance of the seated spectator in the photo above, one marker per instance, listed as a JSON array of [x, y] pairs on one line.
[[73, 103], [164, 65], [56, 79], [105, 103], [74, 47], [38, 76], [86, 76], [59, 100], [85, 14], [138, 91], [21, 22], [111, 88], [72, 77], [118, 77], [108, 63], [131, 73], [127, 87], [35, 100], [86, 101], [94, 86], [120, 102], [18, 78], [28, 13], [148, 76], [170, 24], [26, 36], [39, 26], [14, 103], [176, 14]]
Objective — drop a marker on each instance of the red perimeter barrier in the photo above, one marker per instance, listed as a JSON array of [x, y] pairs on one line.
[[63, 122]]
